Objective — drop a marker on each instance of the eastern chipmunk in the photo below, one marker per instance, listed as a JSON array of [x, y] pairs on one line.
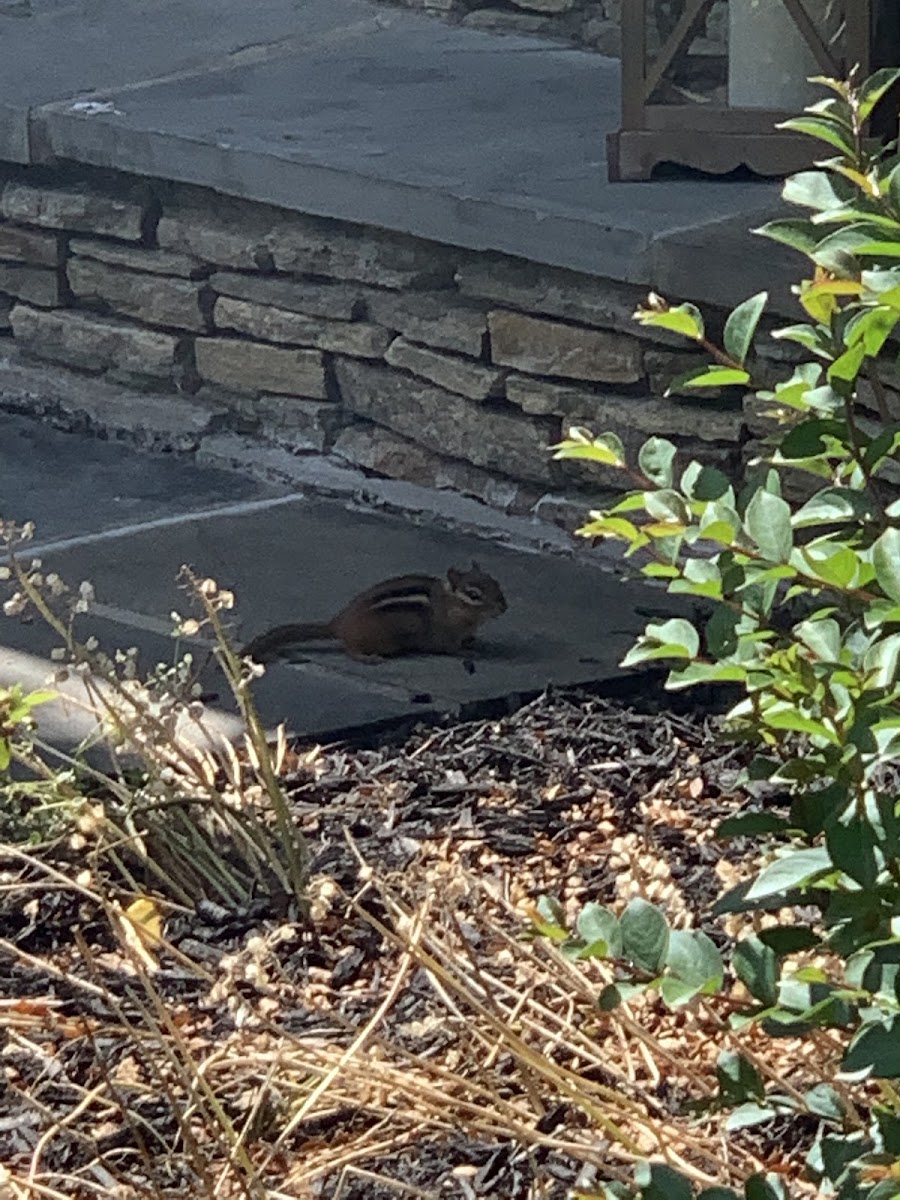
[[412, 614]]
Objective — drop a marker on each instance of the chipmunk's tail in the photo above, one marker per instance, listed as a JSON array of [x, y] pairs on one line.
[[274, 642]]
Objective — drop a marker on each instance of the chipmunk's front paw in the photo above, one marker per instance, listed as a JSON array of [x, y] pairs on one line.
[[369, 659]]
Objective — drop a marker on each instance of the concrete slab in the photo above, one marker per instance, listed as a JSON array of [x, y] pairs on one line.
[[74, 486], [383, 117], [66, 49], [316, 703], [299, 558]]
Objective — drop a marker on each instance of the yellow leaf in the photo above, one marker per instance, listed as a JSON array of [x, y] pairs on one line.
[[142, 928]]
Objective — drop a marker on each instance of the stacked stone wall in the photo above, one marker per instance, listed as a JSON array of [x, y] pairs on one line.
[[407, 358], [587, 24]]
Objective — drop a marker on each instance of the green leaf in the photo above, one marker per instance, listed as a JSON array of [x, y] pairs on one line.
[[815, 189], [875, 1051], [692, 956], [835, 564], [838, 261], [656, 570], [655, 459], [886, 559], [612, 527], [823, 638], [660, 1182], [765, 1187], [708, 377], [872, 329], [883, 446], [790, 871], [678, 632], [740, 327], [645, 935], [677, 992], [846, 368], [552, 912], [748, 1115], [596, 923], [879, 249], [851, 844], [756, 965], [804, 335], [700, 577], [886, 1190], [796, 232], [768, 522], [789, 939], [882, 660], [810, 437], [874, 88], [694, 673], [823, 1101], [685, 319], [833, 505], [606, 449], [824, 130], [784, 715], [751, 824], [615, 994], [718, 1193], [738, 1079], [705, 483]]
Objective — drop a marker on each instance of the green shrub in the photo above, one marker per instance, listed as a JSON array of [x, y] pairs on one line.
[[805, 619]]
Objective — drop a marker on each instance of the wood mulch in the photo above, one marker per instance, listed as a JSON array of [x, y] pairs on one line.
[[429, 855]]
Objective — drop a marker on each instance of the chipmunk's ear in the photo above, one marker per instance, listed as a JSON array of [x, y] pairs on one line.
[[453, 577], [476, 568]]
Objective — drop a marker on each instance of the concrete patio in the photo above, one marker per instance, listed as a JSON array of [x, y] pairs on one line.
[[346, 109]]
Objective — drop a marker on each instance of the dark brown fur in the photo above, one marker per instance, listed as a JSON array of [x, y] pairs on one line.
[[412, 614]]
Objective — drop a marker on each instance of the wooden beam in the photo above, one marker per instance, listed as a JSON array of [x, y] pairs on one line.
[[694, 11]]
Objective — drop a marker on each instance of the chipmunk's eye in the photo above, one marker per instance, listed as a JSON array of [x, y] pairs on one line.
[[473, 593]]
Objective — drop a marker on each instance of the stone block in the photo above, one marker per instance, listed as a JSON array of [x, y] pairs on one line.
[[544, 347], [305, 425], [6, 307], [546, 6], [250, 367], [494, 438], [502, 20], [544, 398], [136, 258], [634, 418], [359, 339], [602, 35], [248, 237], [387, 453], [78, 209], [71, 400], [209, 235], [389, 260], [95, 344], [459, 375], [441, 319], [35, 285], [154, 299], [337, 301], [555, 292], [32, 246]]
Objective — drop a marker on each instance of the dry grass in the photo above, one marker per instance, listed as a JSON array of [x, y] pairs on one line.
[[407, 1038]]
